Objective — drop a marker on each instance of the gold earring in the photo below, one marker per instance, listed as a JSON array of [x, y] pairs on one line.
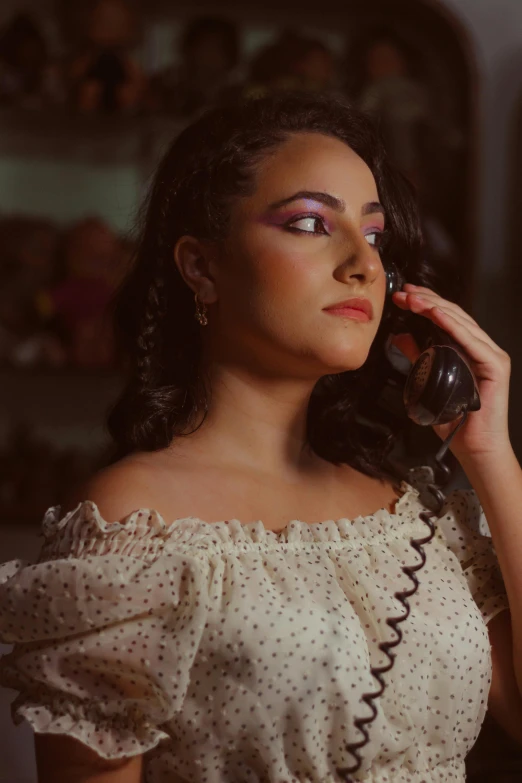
[[201, 311]]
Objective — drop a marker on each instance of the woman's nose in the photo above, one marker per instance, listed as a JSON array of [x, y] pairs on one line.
[[363, 263]]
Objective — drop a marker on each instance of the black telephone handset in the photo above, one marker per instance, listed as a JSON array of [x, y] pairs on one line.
[[439, 388], [441, 385]]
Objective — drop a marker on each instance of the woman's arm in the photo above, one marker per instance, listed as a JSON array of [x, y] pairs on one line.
[[505, 701], [484, 450], [64, 759], [117, 491], [497, 480]]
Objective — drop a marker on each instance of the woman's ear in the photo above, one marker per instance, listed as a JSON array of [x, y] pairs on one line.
[[195, 262]]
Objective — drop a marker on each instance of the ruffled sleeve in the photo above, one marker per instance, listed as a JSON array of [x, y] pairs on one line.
[[463, 529], [105, 629], [461, 522]]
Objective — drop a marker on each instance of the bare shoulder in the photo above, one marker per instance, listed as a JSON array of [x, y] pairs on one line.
[[131, 483]]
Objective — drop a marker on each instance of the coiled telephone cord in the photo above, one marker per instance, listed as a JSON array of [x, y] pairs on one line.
[[369, 698]]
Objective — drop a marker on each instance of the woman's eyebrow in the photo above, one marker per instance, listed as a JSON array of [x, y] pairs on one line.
[[336, 204], [373, 207]]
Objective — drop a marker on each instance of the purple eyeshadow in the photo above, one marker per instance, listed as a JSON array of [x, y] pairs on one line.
[[282, 216], [279, 217]]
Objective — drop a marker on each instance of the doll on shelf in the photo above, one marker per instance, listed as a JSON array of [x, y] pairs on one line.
[[293, 62], [36, 473], [209, 52], [28, 250], [400, 101], [79, 303], [273, 66], [28, 76], [105, 77], [315, 66]]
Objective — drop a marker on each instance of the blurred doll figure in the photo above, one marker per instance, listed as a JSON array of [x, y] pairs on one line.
[[79, 304], [207, 71], [400, 102], [28, 76], [28, 250], [273, 66], [34, 472], [105, 77], [315, 66], [292, 62]]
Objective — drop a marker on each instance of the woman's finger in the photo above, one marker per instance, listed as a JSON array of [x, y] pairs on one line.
[[428, 294], [474, 346], [421, 305]]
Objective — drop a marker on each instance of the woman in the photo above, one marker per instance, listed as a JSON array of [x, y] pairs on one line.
[[216, 631]]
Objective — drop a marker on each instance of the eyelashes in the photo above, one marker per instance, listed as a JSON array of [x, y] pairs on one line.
[[381, 236], [289, 225]]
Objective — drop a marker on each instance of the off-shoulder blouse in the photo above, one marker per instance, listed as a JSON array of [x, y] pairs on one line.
[[229, 653]]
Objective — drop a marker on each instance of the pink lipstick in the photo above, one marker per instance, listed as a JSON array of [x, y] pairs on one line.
[[357, 308]]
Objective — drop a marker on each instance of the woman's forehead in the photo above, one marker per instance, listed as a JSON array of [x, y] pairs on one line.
[[314, 162]]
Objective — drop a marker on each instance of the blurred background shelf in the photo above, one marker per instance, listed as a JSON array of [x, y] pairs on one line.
[[52, 436], [57, 398], [101, 139]]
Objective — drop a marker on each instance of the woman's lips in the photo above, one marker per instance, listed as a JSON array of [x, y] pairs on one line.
[[349, 312]]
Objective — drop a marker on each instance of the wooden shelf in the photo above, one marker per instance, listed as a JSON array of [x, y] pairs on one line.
[[260, 11], [102, 139]]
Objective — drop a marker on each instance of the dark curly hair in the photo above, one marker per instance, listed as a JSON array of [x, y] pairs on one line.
[[208, 165]]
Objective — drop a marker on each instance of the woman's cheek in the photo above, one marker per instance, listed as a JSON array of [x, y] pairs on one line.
[[295, 281], [269, 263]]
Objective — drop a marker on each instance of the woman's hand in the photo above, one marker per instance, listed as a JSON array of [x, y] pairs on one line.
[[486, 431]]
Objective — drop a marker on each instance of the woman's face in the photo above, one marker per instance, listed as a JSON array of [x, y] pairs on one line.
[[307, 239]]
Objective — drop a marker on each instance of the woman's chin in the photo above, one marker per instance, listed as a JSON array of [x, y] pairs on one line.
[[344, 361], [342, 352]]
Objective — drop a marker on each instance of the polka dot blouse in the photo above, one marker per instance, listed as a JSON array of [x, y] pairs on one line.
[[230, 653]]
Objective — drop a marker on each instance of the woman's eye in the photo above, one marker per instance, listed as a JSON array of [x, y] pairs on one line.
[[308, 225], [375, 239]]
